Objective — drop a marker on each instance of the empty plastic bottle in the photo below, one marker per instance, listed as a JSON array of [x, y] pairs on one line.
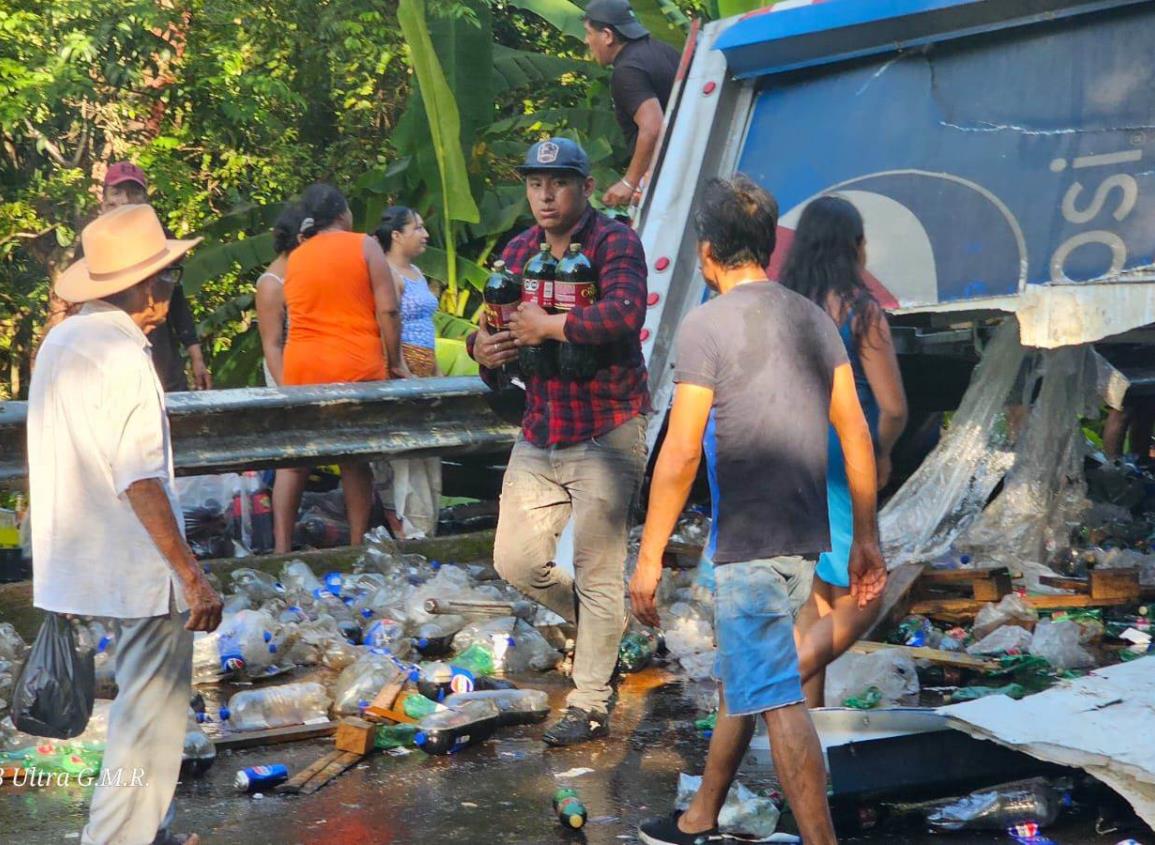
[[999, 807], [477, 659], [449, 731], [258, 586], [256, 778], [298, 577], [516, 706], [434, 639], [276, 707], [199, 751], [388, 635]]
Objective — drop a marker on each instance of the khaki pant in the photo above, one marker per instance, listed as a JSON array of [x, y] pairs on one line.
[[596, 481], [131, 804]]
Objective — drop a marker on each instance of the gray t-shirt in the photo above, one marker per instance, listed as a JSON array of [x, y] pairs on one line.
[[769, 355]]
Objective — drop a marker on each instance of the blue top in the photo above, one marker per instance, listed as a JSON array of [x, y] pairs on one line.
[[418, 305]]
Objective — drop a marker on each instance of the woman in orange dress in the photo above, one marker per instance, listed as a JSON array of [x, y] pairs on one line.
[[344, 326]]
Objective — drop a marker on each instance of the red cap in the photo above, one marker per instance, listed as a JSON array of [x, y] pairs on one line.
[[124, 171]]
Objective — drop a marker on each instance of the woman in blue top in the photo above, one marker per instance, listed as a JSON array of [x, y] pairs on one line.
[[416, 482], [825, 265]]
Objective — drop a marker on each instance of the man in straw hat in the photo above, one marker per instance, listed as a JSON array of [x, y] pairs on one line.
[[107, 538]]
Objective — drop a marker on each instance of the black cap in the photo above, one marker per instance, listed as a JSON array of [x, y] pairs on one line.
[[556, 154], [619, 15]]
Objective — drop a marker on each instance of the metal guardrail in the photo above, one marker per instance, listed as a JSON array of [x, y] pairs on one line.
[[255, 428]]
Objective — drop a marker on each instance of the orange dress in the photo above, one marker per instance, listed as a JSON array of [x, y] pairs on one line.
[[333, 332]]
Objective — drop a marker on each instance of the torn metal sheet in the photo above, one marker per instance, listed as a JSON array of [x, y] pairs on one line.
[[1103, 723]]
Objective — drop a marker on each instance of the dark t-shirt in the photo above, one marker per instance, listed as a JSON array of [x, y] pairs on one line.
[[769, 355], [643, 69]]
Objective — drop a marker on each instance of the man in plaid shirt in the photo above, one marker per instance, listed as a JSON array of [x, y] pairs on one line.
[[582, 447]]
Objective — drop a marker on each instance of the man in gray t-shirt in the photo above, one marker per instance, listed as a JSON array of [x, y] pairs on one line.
[[761, 374]]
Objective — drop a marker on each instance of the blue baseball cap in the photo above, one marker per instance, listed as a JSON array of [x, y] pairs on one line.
[[556, 154]]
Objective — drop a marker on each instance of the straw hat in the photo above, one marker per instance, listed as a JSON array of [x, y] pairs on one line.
[[121, 248]]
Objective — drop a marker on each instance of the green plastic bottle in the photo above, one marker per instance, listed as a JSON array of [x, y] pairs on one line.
[[395, 736], [418, 706], [476, 659], [570, 810], [636, 651]]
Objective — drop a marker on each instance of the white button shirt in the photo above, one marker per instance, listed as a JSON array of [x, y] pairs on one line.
[[96, 424]]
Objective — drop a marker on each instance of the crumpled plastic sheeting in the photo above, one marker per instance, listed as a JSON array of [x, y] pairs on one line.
[[891, 671], [1045, 493], [744, 812], [953, 484]]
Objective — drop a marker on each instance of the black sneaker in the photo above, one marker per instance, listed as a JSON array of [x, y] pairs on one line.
[[577, 726], [664, 831]]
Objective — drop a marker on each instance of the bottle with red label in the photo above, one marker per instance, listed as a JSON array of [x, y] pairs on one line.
[[537, 286], [576, 286], [502, 295]]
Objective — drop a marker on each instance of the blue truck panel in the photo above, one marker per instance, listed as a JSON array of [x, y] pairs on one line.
[[984, 164]]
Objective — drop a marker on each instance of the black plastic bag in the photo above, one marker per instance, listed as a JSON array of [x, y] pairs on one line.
[[54, 694]]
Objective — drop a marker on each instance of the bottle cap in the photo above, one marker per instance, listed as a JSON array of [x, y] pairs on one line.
[[366, 613], [498, 265], [420, 738], [224, 714]]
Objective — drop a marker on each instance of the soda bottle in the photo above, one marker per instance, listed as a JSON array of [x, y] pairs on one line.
[[255, 778], [576, 287], [394, 736], [449, 731], [517, 706], [999, 807], [570, 810], [502, 295], [636, 651], [537, 280], [276, 707]]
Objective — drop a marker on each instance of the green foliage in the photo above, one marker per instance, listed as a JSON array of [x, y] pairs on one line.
[[233, 108]]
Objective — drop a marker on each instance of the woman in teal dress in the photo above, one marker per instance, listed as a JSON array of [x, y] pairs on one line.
[[825, 265]]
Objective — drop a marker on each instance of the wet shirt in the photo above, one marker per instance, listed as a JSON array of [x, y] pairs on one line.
[[769, 356], [644, 69]]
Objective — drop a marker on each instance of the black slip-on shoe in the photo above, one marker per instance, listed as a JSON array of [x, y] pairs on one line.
[[665, 831]]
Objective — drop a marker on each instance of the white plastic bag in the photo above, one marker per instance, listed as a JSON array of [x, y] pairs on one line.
[[1011, 610], [1058, 644], [893, 672], [743, 813], [1008, 638]]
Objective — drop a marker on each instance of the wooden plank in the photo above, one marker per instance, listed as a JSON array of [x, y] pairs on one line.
[[274, 736], [1115, 584], [934, 655], [993, 588], [956, 609], [335, 767], [899, 582], [961, 576], [381, 707], [1079, 585], [294, 784]]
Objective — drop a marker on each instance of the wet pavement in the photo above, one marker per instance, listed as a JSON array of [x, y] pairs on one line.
[[498, 792]]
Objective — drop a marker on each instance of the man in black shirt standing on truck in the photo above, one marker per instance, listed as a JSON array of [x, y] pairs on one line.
[[644, 72]]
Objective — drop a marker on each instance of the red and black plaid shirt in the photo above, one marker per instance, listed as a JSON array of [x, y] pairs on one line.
[[564, 411]]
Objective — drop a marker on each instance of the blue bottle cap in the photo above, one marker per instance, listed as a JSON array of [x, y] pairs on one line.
[[348, 601], [224, 714], [414, 674], [362, 703], [366, 613], [420, 738], [422, 642], [268, 636], [434, 565], [272, 648], [103, 644], [964, 559]]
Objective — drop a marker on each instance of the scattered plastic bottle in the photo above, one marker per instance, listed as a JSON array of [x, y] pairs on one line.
[[256, 778], [477, 660], [569, 809], [434, 640], [387, 634], [199, 751], [417, 706], [516, 706], [450, 731], [258, 586], [394, 736], [275, 707], [636, 650], [1000, 807], [298, 577], [437, 681]]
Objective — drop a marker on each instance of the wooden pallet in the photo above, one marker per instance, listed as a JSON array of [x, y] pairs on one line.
[[937, 656], [978, 584]]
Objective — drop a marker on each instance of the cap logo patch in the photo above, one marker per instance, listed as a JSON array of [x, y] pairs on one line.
[[547, 153]]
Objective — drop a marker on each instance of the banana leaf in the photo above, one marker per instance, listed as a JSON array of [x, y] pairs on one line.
[[562, 14], [514, 69], [210, 262]]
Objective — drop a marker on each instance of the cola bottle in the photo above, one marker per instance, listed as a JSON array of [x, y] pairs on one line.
[[502, 295], [576, 286], [537, 281]]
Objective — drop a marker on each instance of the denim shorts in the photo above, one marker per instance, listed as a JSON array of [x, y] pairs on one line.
[[757, 662]]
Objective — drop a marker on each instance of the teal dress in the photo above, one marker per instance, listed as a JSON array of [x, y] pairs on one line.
[[834, 565]]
